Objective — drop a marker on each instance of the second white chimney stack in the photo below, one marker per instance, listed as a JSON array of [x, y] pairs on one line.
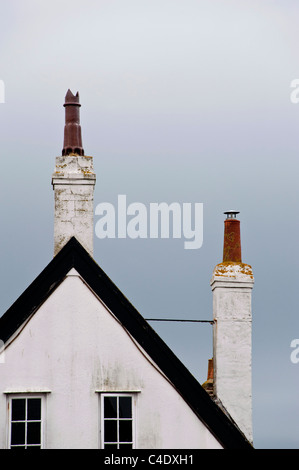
[[232, 284]]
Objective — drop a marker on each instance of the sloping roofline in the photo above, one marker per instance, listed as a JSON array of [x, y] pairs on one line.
[[73, 255]]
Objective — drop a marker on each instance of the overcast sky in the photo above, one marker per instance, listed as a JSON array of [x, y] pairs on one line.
[[182, 101]]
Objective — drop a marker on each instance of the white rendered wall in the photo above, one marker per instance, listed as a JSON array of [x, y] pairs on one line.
[[232, 286], [73, 182], [74, 348]]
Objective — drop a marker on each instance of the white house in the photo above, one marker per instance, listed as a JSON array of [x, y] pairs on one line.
[[83, 369]]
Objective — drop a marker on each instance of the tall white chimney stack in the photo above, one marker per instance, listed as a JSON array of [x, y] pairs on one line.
[[73, 182], [232, 284]]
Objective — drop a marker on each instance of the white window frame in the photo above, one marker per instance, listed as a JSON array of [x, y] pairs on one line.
[[133, 396], [26, 396]]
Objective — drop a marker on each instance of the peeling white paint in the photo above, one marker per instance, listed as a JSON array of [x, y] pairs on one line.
[[73, 182]]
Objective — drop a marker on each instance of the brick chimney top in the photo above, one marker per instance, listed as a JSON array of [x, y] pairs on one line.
[[232, 238], [72, 129]]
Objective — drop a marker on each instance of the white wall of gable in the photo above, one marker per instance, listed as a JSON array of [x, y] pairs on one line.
[[74, 348]]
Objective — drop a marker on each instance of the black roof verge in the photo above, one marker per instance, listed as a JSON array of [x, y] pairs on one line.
[[73, 255]]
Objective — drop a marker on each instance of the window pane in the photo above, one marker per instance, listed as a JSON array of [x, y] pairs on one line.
[[118, 421], [110, 407], [33, 433], [110, 431], [125, 407], [18, 409], [17, 433], [34, 409], [110, 446], [125, 431]]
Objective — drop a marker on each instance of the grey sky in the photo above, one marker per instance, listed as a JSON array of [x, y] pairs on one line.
[[185, 101]]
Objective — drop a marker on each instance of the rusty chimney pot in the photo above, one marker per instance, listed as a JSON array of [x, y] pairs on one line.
[[210, 370], [232, 238], [72, 129], [208, 385]]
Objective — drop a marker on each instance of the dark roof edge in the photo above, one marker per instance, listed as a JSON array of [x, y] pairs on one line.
[[73, 255]]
